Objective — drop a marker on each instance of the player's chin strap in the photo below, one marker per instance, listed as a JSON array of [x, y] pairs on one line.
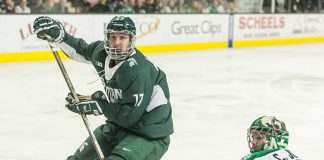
[[72, 90]]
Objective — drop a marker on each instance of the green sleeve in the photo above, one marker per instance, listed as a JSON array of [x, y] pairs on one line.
[[72, 46], [137, 92]]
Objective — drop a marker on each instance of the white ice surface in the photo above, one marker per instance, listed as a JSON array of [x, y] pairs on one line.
[[215, 94]]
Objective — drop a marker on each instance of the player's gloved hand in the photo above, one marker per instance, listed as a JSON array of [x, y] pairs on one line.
[[46, 25], [87, 105]]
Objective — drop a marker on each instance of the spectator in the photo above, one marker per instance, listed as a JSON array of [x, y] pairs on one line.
[[197, 6], [139, 8], [220, 8], [173, 7], [121, 7], [131, 5], [217, 7], [96, 6], [230, 7], [37, 7], [188, 7], [280, 6], [22, 7], [109, 5], [150, 7], [265, 6], [10, 5], [92, 3], [163, 7], [50, 7], [206, 7], [182, 6], [156, 6], [79, 6], [308, 5], [2, 6], [295, 6], [68, 7]]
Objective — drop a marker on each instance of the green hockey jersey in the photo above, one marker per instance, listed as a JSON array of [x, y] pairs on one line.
[[137, 91], [275, 154]]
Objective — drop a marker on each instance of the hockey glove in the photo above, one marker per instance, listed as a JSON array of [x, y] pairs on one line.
[[87, 105], [46, 25]]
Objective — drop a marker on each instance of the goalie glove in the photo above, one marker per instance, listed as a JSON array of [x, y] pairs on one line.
[[88, 104], [46, 25]]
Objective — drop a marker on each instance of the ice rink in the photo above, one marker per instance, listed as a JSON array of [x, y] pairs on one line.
[[215, 94]]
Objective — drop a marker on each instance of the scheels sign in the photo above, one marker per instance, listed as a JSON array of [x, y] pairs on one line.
[[262, 22]]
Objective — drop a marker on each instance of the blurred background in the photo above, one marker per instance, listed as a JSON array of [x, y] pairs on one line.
[[159, 6], [228, 62]]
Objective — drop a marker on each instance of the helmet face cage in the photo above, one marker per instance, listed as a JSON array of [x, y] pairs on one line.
[[256, 133], [114, 53], [275, 132], [124, 25]]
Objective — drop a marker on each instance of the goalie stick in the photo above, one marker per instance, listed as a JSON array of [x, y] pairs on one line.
[[72, 90]]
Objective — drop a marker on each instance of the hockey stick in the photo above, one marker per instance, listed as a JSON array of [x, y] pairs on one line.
[[69, 83]]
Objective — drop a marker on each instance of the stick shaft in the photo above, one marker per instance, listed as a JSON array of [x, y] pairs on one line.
[[72, 90]]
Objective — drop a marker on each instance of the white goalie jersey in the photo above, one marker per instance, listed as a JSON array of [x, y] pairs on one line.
[[281, 154]]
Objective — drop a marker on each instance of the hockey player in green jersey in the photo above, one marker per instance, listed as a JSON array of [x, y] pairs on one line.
[[268, 139], [136, 99]]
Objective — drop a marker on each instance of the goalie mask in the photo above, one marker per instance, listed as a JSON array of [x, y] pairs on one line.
[[120, 25], [267, 133]]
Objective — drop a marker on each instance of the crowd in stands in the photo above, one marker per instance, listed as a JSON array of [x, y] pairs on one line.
[[116, 6], [291, 6], [29, 6], [149, 6]]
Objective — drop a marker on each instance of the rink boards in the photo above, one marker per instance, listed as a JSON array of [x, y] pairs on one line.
[[167, 33]]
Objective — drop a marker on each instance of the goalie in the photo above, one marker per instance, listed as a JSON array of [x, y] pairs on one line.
[[136, 99], [268, 139]]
